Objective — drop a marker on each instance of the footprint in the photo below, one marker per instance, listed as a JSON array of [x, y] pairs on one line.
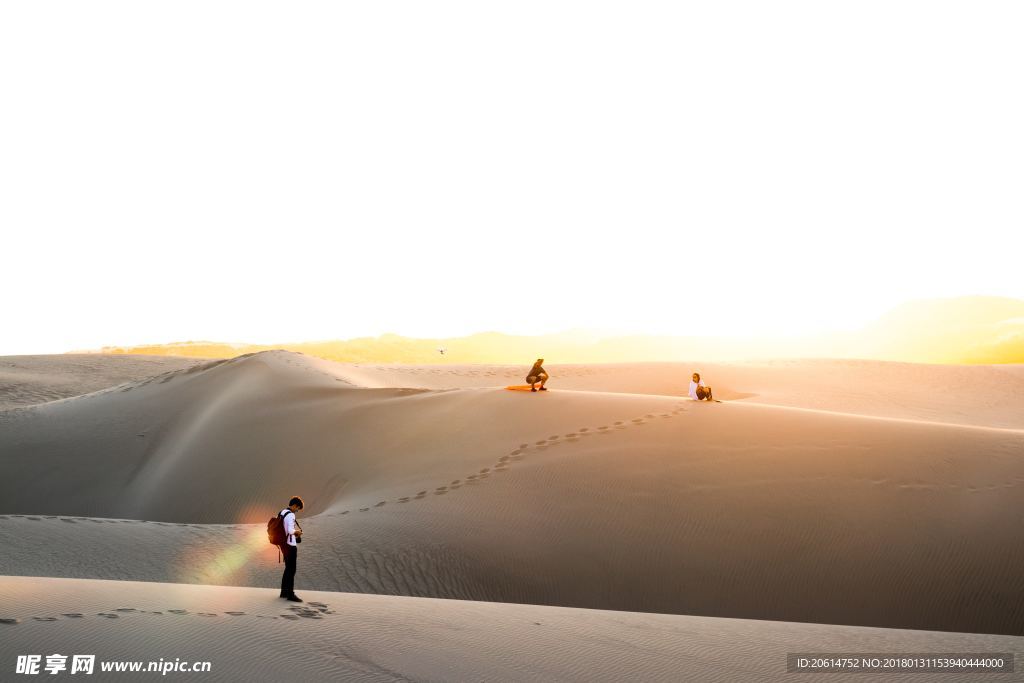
[[422, 493], [584, 429], [541, 442], [403, 499], [106, 615], [125, 609], [471, 477], [73, 615], [524, 445], [9, 620], [485, 470], [440, 493], [441, 488], [45, 618], [178, 611], [343, 512], [383, 502], [363, 509], [34, 519], [504, 458], [69, 521], [456, 482], [617, 422], [206, 614], [553, 438]]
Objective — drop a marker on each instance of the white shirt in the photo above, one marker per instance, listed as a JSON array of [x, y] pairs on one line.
[[693, 389], [289, 525]]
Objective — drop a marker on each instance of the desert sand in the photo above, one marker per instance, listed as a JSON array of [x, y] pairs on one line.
[[27, 380], [852, 493], [246, 635]]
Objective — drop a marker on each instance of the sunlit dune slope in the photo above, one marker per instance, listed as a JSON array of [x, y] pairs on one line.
[[990, 396], [248, 634]]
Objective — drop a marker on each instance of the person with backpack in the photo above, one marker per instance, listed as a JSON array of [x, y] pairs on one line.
[[284, 532]]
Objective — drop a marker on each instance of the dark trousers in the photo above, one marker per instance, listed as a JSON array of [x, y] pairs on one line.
[[290, 553]]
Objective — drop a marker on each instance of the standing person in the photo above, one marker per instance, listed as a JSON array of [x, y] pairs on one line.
[[698, 390], [537, 374], [290, 550]]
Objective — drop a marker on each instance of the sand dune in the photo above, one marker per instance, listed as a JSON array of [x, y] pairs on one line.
[[247, 634], [27, 380], [974, 395], [986, 395], [619, 499]]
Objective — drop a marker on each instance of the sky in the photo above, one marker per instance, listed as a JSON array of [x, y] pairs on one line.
[[259, 172]]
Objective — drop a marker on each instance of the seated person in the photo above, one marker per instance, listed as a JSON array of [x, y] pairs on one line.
[[537, 374], [698, 390]]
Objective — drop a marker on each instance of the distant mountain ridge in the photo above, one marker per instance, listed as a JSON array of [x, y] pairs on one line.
[[969, 330]]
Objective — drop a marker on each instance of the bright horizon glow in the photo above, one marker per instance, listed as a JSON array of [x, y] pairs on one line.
[[246, 172]]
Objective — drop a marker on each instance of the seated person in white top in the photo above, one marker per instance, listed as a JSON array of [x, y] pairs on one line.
[[698, 390]]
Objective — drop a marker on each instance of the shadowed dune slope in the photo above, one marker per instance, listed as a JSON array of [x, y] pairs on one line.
[[237, 434], [636, 502]]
